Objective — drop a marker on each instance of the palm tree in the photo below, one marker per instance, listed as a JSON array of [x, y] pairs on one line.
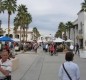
[[16, 24], [22, 19], [28, 21], [58, 34], [10, 6], [22, 13], [1, 6], [36, 33], [84, 6], [61, 28], [69, 25]]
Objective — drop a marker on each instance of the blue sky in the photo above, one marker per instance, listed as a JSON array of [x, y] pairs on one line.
[[47, 14]]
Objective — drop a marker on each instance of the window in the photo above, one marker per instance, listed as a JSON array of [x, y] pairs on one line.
[[17, 36], [11, 36]]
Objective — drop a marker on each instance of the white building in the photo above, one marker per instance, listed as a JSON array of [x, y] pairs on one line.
[[16, 34], [46, 38], [79, 32]]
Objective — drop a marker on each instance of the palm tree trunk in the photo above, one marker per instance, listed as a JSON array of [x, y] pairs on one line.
[[8, 24], [69, 33], [26, 34], [20, 33], [23, 34]]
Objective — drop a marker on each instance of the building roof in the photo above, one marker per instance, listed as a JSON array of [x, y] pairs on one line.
[[75, 22]]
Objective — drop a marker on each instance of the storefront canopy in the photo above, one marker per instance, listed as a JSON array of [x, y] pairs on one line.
[[5, 38], [16, 40], [58, 40], [69, 40]]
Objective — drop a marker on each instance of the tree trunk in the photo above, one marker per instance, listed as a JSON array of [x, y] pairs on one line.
[[26, 34], [8, 24], [69, 33], [20, 33]]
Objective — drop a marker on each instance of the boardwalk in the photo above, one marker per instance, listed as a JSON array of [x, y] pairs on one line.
[[42, 66]]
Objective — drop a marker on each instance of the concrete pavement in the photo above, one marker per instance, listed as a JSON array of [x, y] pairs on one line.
[[42, 66]]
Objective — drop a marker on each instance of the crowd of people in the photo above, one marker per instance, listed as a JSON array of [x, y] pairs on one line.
[[6, 56], [12, 47], [66, 72], [54, 48]]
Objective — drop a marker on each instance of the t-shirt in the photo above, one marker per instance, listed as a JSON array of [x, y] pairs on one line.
[[7, 65], [71, 47], [73, 70]]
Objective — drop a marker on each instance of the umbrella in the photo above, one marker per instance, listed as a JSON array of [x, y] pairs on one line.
[[5, 38], [39, 41], [58, 40], [44, 40], [16, 40], [69, 40]]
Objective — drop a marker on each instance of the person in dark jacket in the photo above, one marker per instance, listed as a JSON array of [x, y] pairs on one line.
[[77, 49]]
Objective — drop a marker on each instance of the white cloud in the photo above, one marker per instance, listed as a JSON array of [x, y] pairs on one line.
[[47, 14]]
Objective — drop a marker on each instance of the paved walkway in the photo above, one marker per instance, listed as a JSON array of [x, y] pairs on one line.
[[42, 66]]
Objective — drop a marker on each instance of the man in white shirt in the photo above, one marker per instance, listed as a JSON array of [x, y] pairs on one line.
[[5, 66], [71, 67], [46, 47], [71, 47]]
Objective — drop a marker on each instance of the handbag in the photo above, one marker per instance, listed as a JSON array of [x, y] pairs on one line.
[[67, 72]]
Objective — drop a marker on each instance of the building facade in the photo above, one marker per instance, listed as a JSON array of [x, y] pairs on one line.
[[16, 34], [78, 33]]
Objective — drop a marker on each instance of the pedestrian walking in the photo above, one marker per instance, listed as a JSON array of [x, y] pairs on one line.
[[46, 47], [69, 70], [35, 46], [71, 48], [5, 66], [51, 49], [77, 49]]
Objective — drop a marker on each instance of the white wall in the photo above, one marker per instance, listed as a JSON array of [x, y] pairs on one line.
[[84, 31], [81, 21], [30, 34]]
